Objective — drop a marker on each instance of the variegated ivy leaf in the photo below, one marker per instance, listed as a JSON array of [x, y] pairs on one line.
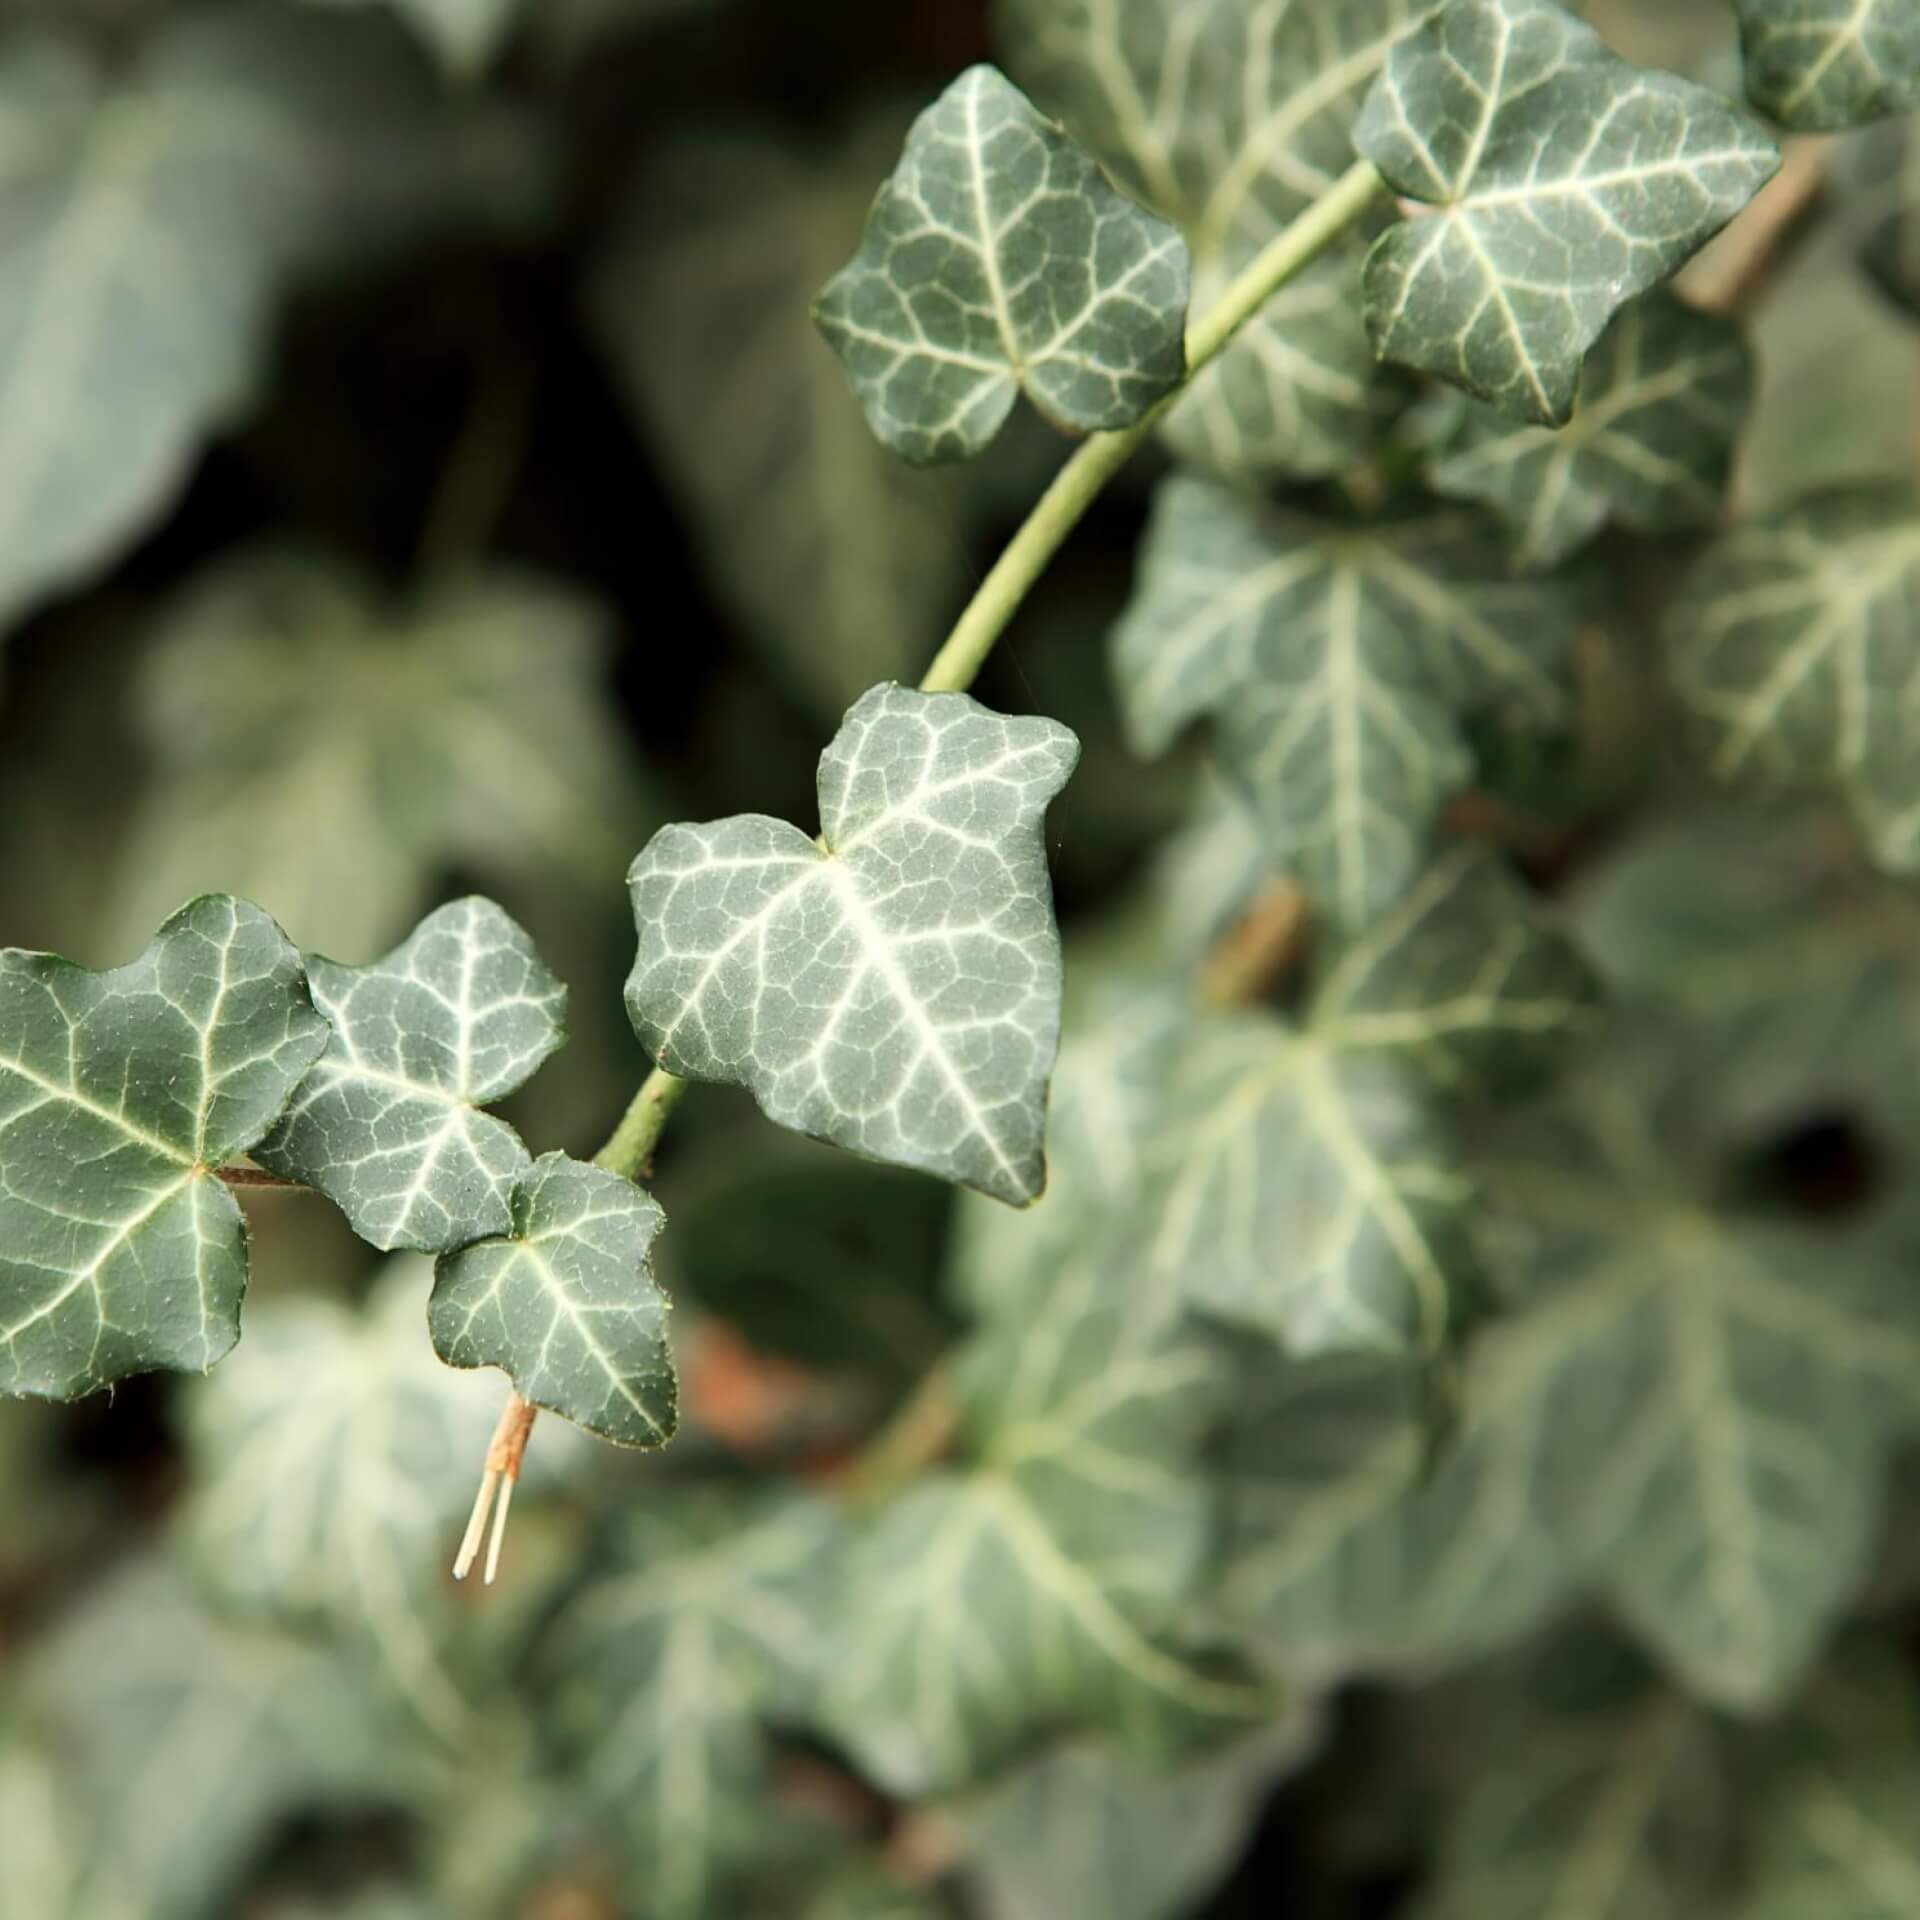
[[893, 987], [1796, 644], [1820, 66], [1306, 1179], [1670, 1335], [1089, 1829], [334, 1457], [121, 1094], [389, 1125], [1610, 1802], [1230, 120], [664, 1673], [1043, 1584], [281, 1728], [1650, 444], [1562, 181], [998, 261], [1340, 666], [565, 1303]]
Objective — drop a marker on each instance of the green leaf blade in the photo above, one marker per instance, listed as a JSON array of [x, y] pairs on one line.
[[1563, 180], [1650, 443], [120, 1095], [1778, 637], [1339, 666], [388, 1125], [1821, 66], [896, 989], [566, 1305], [997, 260]]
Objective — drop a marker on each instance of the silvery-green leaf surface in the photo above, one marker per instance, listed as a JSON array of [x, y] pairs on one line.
[[1562, 181], [565, 1303], [1710, 1396], [52, 1862], [388, 1125], [334, 1459], [1305, 1179], [328, 752], [1609, 1809], [893, 988], [121, 1095], [1796, 646], [1650, 444], [466, 34], [1820, 66], [998, 260], [1088, 1829], [1230, 119], [666, 1670], [1340, 666], [701, 303], [190, 1739], [1041, 1585]]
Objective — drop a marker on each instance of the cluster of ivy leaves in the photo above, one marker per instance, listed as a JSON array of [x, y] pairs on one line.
[[1415, 1411]]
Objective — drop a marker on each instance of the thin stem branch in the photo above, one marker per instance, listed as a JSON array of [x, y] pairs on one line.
[[629, 1148], [1081, 481]]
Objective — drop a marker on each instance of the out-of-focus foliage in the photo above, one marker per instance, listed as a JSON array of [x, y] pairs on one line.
[[1438, 1441]]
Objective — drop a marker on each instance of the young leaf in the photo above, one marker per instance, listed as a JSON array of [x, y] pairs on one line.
[[566, 1303], [997, 260], [1340, 666], [388, 1124], [1042, 1587], [1821, 66], [1794, 645], [1230, 120], [121, 1094], [702, 306], [1650, 444], [895, 987], [1563, 182], [664, 1671], [1306, 1180], [1711, 1395], [329, 752]]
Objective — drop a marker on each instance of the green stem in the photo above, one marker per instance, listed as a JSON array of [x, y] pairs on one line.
[[1080, 482], [630, 1146]]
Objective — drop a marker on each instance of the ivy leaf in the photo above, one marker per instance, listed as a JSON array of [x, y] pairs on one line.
[[1886, 182], [1821, 66], [121, 1094], [1042, 1587], [1665, 1342], [1340, 666], [895, 987], [1778, 637], [466, 34], [1650, 444], [1612, 1806], [702, 306], [1089, 1829], [333, 1459], [281, 1728], [998, 261], [388, 1124], [1230, 120], [665, 1671], [330, 752], [1564, 181], [1305, 1179], [565, 1304]]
